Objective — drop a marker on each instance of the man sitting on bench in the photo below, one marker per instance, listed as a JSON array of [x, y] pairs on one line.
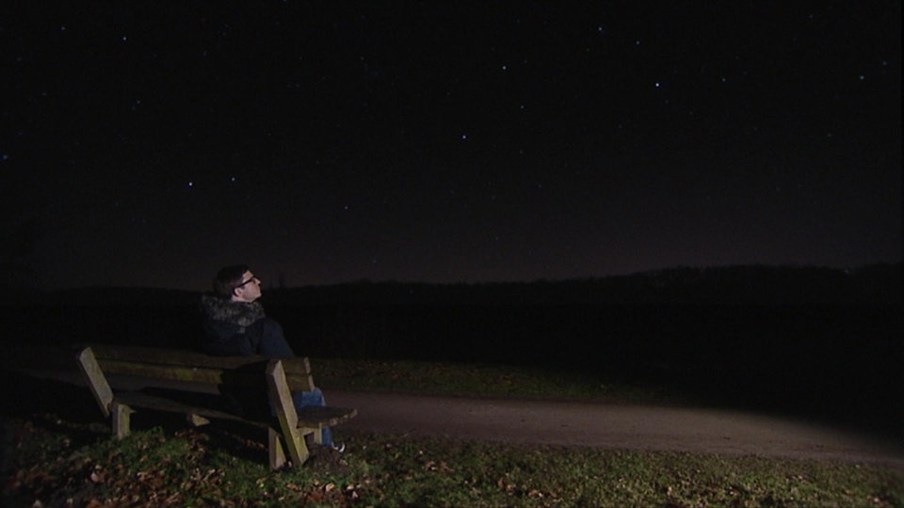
[[235, 325]]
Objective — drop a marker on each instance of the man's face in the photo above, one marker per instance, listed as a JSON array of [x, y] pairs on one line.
[[248, 289]]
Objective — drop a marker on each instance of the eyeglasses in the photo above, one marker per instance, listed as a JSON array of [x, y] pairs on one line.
[[243, 283]]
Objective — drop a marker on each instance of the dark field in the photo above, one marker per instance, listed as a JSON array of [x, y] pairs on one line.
[[838, 362]]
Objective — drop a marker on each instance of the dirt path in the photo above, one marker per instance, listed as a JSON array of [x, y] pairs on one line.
[[611, 427]]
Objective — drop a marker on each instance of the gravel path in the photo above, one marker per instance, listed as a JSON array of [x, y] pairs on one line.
[[611, 427]]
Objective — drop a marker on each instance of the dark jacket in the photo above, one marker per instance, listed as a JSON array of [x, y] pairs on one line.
[[231, 328]]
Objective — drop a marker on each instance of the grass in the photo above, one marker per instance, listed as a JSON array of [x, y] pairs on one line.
[[57, 460], [481, 380], [162, 466]]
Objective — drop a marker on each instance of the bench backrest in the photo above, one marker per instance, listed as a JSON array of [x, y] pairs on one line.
[[193, 367]]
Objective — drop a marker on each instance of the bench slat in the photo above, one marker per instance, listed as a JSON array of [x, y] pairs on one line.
[[320, 416], [187, 358], [156, 403], [312, 416], [189, 366], [165, 372]]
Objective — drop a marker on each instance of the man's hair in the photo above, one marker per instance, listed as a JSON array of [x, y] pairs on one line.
[[227, 279]]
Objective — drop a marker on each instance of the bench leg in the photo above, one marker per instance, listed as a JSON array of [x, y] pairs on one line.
[[277, 453], [196, 420], [298, 449], [121, 419], [318, 435]]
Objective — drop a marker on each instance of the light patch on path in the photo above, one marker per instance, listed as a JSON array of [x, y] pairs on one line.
[[610, 427]]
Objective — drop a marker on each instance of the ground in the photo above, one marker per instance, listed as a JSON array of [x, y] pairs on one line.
[[613, 426], [599, 425]]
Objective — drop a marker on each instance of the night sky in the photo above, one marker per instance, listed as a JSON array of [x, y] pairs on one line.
[[149, 143]]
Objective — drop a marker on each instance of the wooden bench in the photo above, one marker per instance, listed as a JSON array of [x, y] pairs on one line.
[[186, 373]]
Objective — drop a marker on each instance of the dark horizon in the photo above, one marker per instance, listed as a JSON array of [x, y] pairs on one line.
[[277, 282], [759, 285], [445, 143]]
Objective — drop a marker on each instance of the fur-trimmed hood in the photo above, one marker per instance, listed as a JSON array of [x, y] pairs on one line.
[[240, 314]]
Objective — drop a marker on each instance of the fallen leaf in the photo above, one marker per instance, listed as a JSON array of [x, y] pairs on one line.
[[98, 476]]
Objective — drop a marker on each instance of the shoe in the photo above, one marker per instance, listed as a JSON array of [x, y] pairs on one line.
[[339, 448]]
